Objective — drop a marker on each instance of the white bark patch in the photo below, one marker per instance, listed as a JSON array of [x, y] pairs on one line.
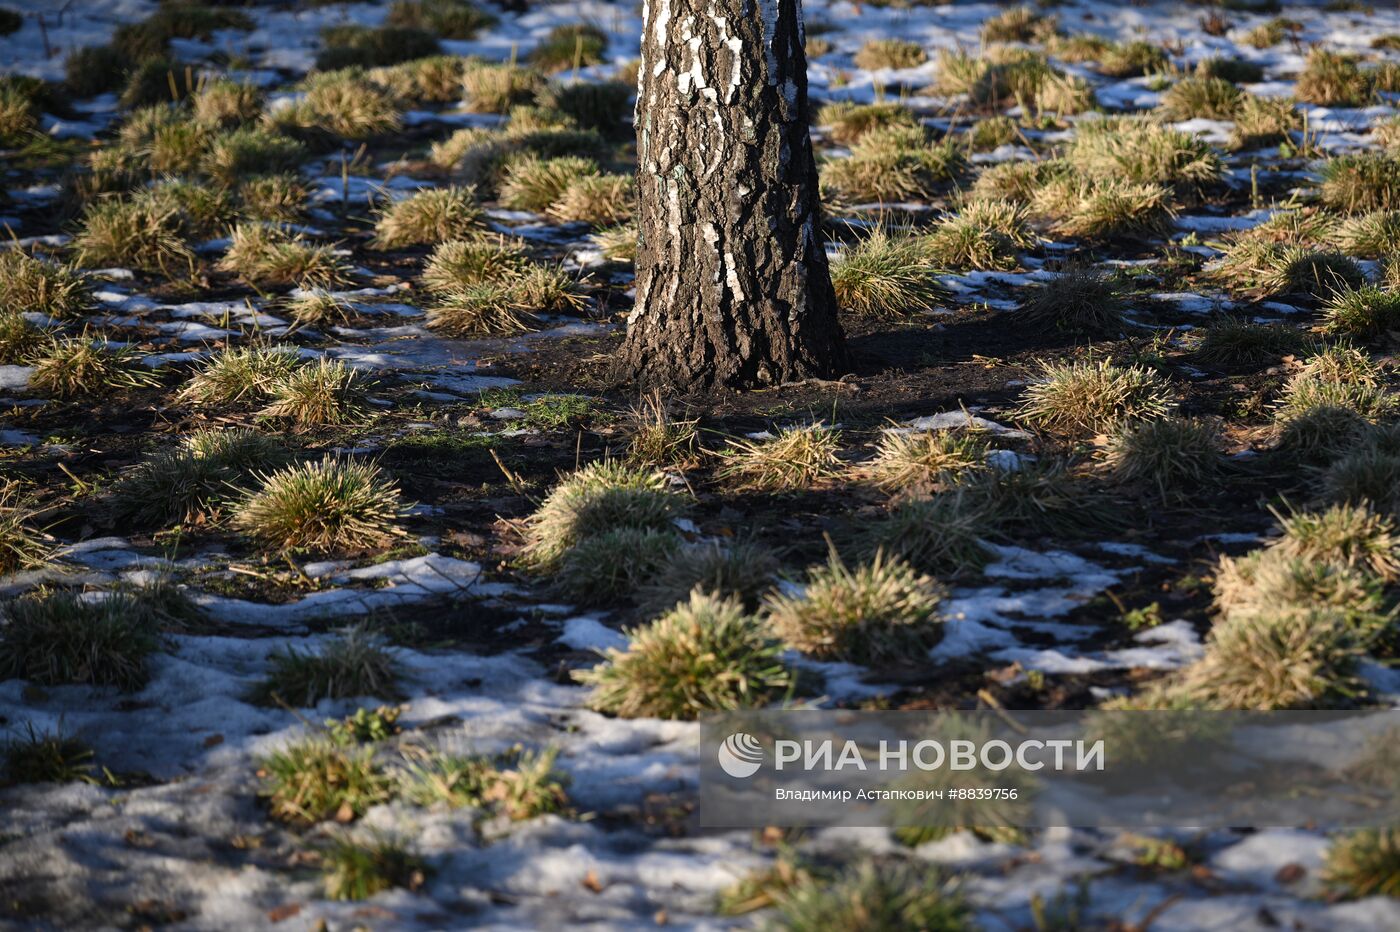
[[695, 76], [768, 12], [736, 51], [731, 274], [659, 26]]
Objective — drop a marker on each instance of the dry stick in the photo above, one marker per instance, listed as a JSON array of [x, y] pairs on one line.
[[515, 481]]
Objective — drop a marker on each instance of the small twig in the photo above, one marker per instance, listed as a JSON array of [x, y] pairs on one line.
[[515, 481]]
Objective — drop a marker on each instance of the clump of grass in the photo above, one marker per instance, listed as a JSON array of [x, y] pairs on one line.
[[1336, 393], [739, 569], [355, 663], [43, 757], [1367, 181], [1131, 59], [248, 373], [320, 393], [1364, 863], [266, 254], [345, 103], [1143, 152], [886, 275], [1331, 79], [1373, 235], [1266, 35], [609, 566], [140, 231], [659, 438], [939, 535], [1269, 578], [1000, 75], [926, 459], [796, 458], [705, 655], [474, 260], [1350, 536], [875, 54], [847, 122], [234, 155], [22, 546], [497, 88], [334, 504], [1238, 342], [1272, 269], [279, 198], [56, 637], [882, 611], [315, 779], [317, 308], [157, 80], [226, 103], [365, 725], [982, 235], [475, 310], [520, 784], [29, 285], [1019, 24], [601, 106], [1263, 121], [895, 163], [1200, 97], [617, 244], [1365, 312], [1063, 95], [1040, 498], [1015, 182], [18, 115], [352, 45], [1364, 475], [355, 870], [429, 216], [1081, 299], [1175, 455], [451, 19], [79, 366], [1088, 397], [1287, 658], [874, 895], [599, 200], [19, 339], [598, 498], [93, 70], [195, 479], [1234, 70], [573, 46], [535, 184], [436, 79], [1104, 208]]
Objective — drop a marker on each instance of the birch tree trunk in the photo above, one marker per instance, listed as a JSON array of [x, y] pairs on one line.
[[732, 282]]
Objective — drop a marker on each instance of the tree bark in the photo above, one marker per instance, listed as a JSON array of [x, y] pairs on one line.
[[733, 288]]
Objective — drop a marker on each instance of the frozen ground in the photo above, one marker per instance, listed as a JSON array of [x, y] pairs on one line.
[[193, 848]]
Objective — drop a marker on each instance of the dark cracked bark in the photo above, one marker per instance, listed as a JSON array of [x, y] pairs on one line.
[[733, 288]]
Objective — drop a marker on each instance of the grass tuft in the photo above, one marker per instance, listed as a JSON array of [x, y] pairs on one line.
[[984, 234], [41, 757], [938, 535], [1368, 181], [1175, 455], [926, 460], [326, 391], [603, 568], [598, 498], [1365, 312], [357, 870], [1088, 397], [81, 366], [1081, 299], [738, 569], [353, 664], [886, 275], [29, 285], [245, 374], [883, 611], [196, 479], [315, 780], [54, 637], [874, 896], [267, 254], [22, 546], [1365, 863], [796, 458], [332, 505], [428, 217], [704, 655]]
